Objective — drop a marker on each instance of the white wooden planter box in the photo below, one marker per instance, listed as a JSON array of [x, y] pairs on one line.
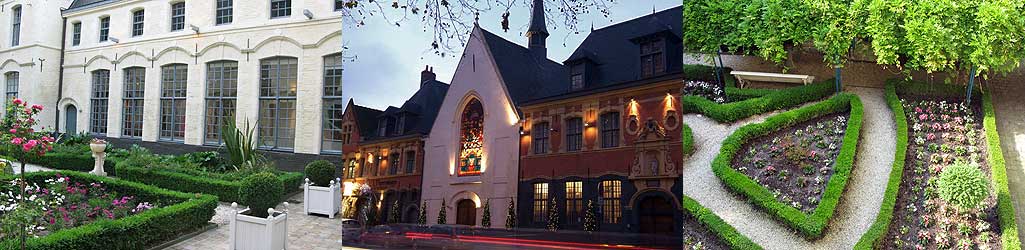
[[255, 233], [322, 200]]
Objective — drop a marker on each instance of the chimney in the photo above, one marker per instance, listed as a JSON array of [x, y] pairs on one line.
[[427, 75]]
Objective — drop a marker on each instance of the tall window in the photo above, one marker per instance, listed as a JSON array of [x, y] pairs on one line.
[[138, 19], [104, 28], [76, 34], [12, 85], [351, 170], [98, 107], [574, 134], [610, 193], [410, 161], [173, 81], [224, 12], [221, 90], [332, 128], [347, 134], [541, 132], [277, 102], [576, 76], [178, 16], [15, 25], [540, 201], [472, 138], [574, 200], [610, 130], [652, 59], [135, 87], [280, 8], [393, 164]]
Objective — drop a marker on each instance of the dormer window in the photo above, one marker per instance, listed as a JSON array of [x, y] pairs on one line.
[[382, 127], [401, 125], [653, 61], [576, 77]]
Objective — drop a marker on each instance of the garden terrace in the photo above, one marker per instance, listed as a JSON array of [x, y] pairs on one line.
[[940, 130], [810, 225], [172, 214]]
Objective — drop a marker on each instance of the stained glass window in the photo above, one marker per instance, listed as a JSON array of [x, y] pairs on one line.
[[472, 139]]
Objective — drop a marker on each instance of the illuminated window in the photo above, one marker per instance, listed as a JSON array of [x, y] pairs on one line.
[[610, 130], [541, 131], [351, 171], [574, 134], [393, 164], [540, 201], [574, 200], [610, 193], [472, 139]]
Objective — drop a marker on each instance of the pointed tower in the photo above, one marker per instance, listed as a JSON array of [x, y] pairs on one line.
[[538, 32]]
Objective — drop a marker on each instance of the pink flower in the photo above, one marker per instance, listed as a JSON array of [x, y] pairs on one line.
[[922, 117], [13, 131], [17, 141], [17, 101], [31, 120], [28, 111], [37, 107], [918, 109], [930, 136]]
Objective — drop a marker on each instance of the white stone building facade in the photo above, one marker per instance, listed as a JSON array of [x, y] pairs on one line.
[[171, 71], [30, 52]]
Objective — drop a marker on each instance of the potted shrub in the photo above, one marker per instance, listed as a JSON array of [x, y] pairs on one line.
[[259, 226], [322, 192]]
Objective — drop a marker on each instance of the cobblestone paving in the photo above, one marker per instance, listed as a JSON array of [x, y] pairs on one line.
[[1011, 125], [307, 232], [858, 206]]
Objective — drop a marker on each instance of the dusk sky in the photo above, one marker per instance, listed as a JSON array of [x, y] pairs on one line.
[[384, 61]]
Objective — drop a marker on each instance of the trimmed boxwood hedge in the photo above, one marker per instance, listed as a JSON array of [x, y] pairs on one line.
[[761, 101], [711, 221], [224, 186], [1009, 235], [182, 213], [688, 140], [79, 159], [812, 225]]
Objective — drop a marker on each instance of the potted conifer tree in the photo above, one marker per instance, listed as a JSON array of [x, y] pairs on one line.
[[322, 192]]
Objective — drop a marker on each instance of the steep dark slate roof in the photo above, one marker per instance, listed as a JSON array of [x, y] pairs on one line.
[[366, 119], [419, 110], [81, 4], [526, 75]]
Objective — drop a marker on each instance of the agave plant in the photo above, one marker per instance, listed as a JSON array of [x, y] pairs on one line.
[[240, 144]]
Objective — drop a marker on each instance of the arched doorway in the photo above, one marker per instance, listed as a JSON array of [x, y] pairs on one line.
[[411, 214], [466, 212], [656, 215], [71, 119]]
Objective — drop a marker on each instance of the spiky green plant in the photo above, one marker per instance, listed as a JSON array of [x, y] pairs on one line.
[[240, 144]]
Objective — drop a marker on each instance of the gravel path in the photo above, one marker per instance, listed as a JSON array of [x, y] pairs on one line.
[[858, 206]]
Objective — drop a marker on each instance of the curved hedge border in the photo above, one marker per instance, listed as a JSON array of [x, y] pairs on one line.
[[769, 100], [711, 221], [812, 225], [224, 187], [1009, 236], [688, 140], [878, 230], [147, 229]]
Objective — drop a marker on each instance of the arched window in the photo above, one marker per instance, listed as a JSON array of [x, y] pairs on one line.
[[98, 102], [471, 139]]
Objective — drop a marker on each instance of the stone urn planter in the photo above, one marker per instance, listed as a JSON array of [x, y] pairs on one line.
[[256, 233], [322, 200], [98, 147]]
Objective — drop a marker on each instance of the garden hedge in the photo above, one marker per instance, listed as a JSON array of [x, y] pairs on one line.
[[225, 187], [181, 213], [715, 224], [811, 226], [767, 100], [79, 159], [878, 229], [688, 140], [1009, 235]]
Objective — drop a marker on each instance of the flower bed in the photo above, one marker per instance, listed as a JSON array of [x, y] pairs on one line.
[[794, 163], [760, 101], [83, 211], [941, 132], [810, 225], [703, 228]]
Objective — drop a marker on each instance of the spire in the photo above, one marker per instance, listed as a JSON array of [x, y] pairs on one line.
[[537, 33]]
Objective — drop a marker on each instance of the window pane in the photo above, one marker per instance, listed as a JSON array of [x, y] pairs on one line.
[[104, 28], [16, 26], [332, 133], [76, 34], [178, 16], [172, 101], [134, 86], [280, 8], [277, 102], [137, 22], [541, 131], [574, 201], [100, 93], [574, 134], [221, 82], [224, 11], [611, 192], [540, 202]]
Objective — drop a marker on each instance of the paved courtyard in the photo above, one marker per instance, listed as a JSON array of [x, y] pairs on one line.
[[307, 232], [1011, 125]]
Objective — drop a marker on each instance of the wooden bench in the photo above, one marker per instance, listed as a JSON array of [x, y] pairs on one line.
[[743, 77]]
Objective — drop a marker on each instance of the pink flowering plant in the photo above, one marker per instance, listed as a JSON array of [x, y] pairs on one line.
[[18, 140]]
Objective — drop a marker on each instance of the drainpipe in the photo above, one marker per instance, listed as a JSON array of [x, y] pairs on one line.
[[60, 80]]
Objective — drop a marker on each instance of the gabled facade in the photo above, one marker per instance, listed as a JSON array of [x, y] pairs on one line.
[[385, 151]]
